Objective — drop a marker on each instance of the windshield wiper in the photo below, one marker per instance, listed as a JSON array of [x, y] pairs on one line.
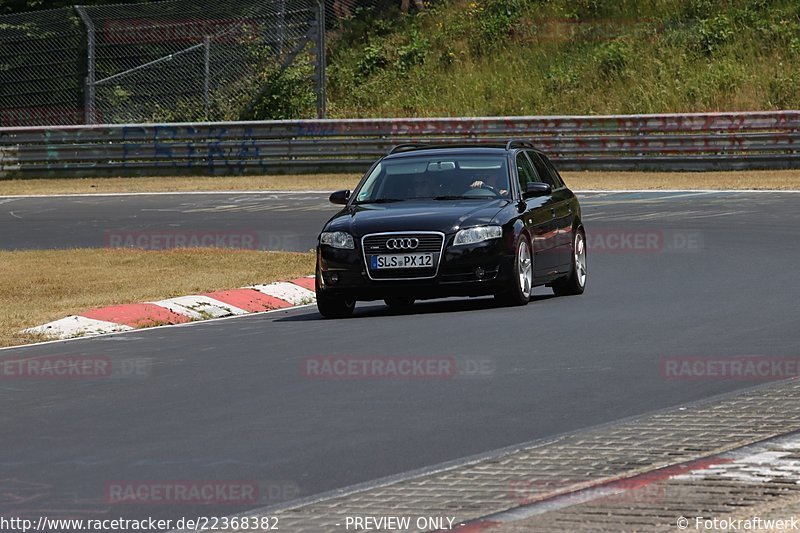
[[380, 201]]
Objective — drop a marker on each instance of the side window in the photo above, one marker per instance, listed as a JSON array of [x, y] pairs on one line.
[[547, 176], [526, 173], [554, 172]]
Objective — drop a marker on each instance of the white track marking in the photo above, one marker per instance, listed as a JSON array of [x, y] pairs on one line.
[[199, 307], [759, 463], [289, 292], [157, 329], [77, 326]]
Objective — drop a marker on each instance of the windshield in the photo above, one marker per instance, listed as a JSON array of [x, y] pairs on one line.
[[440, 177]]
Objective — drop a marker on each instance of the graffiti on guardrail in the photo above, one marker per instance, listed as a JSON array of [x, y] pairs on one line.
[[189, 146], [9, 160], [702, 141]]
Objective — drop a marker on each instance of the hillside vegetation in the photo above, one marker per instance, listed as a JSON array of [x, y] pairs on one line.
[[529, 57]]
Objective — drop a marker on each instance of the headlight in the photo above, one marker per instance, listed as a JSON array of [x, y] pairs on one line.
[[337, 239], [478, 234]]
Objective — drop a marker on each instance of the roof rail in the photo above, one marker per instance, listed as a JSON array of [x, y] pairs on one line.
[[519, 143], [513, 143], [403, 147]]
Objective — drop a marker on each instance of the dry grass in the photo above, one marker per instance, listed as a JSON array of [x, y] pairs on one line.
[[309, 182], [767, 179], [760, 179], [39, 286]]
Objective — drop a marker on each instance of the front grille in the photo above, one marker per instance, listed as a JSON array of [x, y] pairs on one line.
[[376, 244], [428, 243]]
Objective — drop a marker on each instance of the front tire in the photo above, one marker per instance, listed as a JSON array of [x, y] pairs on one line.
[[575, 283], [333, 305], [518, 290]]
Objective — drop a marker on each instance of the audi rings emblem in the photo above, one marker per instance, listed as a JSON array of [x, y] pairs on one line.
[[402, 243]]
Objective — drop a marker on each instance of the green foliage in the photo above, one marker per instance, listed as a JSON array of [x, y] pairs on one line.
[[713, 33], [784, 90], [496, 20], [373, 59], [285, 95], [613, 57], [413, 53], [495, 57], [183, 110]]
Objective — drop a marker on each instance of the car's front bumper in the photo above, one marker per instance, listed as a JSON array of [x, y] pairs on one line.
[[466, 270]]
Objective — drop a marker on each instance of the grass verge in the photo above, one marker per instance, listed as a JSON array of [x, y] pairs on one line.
[[464, 58], [305, 182], [38, 286], [764, 179], [757, 180]]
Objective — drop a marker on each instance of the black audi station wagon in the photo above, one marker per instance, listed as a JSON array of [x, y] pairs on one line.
[[432, 221]]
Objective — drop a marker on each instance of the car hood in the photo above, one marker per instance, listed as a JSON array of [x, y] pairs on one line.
[[446, 216]]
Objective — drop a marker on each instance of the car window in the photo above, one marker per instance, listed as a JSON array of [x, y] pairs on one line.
[[440, 176], [543, 170], [526, 172], [556, 176]]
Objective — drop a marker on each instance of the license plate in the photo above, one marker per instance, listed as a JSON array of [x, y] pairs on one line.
[[402, 261]]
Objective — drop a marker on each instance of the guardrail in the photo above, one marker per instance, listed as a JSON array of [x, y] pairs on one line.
[[698, 141]]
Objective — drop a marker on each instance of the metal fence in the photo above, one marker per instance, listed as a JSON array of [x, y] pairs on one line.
[[700, 141], [174, 60], [42, 58]]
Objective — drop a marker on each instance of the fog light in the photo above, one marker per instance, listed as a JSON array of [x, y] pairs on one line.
[[479, 273], [334, 277]]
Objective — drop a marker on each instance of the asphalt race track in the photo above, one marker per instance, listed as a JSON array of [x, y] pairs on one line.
[[274, 221], [671, 275]]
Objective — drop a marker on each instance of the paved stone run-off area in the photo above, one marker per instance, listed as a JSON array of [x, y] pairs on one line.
[[545, 471], [751, 488]]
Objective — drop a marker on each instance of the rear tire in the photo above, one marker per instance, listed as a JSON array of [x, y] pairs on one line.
[[575, 283], [399, 304], [518, 290]]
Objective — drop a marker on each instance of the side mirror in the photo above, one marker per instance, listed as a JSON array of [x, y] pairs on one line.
[[340, 197], [537, 189]]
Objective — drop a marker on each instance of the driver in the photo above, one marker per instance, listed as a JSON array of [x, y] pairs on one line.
[[489, 181], [422, 187]]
